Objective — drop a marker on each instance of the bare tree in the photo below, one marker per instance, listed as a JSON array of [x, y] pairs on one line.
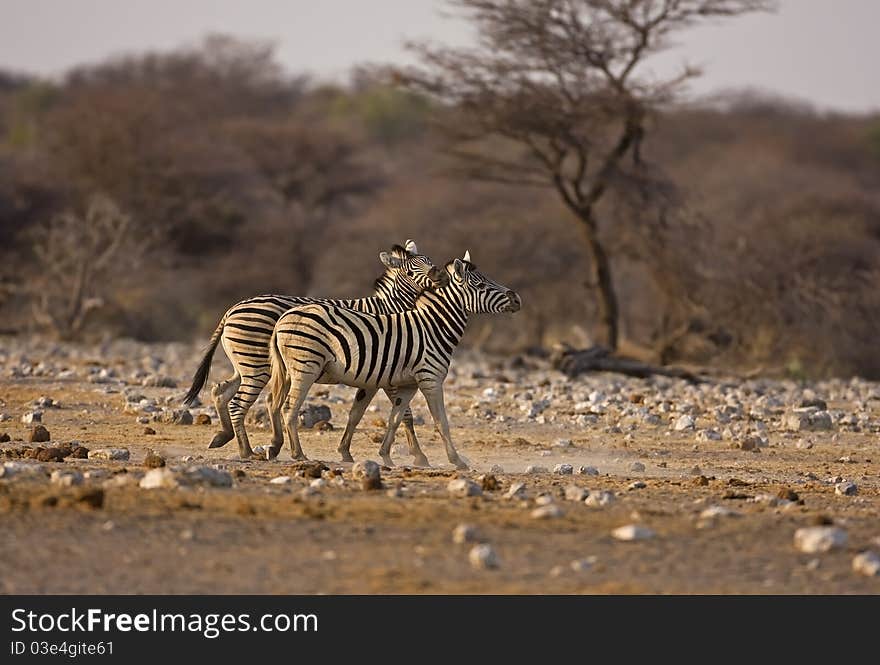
[[555, 94], [77, 255]]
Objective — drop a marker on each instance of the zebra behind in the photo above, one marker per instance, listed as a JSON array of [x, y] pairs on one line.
[[403, 352], [246, 328]]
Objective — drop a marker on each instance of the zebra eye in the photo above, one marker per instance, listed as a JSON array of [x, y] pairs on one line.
[[480, 285]]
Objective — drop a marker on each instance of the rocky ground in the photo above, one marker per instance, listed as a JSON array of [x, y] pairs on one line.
[[602, 484]]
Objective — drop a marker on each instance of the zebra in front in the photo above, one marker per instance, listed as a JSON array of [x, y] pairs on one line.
[[404, 352], [246, 328]]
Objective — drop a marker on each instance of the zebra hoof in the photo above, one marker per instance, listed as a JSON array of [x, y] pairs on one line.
[[220, 439], [460, 465], [421, 460], [387, 461], [346, 457]]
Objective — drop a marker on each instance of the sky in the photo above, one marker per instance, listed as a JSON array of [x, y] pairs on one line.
[[821, 51]]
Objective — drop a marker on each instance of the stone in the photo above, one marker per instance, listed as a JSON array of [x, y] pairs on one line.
[[867, 563], [575, 493], [632, 532], [588, 471], [318, 483], [636, 466], [600, 499], [684, 423], [582, 565], [465, 533], [637, 485], [5, 438], [369, 473], [39, 434], [846, 488], [32, 417], [312, 414], [280, 480], [708, 435], [563, 469], [815, 539], [718, 511], [488, 482], [80, 452], [808, 419], [161, 478], [496, 468], [114, 454], [462, 487], [149, 431], [66, 478], [814, 403], [203, 419], [153, 461], [532, 468], [206, 475], [483, 557], [516, 491], [178, 417], [550, 511]]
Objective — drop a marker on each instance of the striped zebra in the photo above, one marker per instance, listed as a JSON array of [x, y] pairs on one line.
[[404, 352], [246, 328]]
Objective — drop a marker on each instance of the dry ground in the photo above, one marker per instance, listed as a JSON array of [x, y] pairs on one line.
[[258, 537]]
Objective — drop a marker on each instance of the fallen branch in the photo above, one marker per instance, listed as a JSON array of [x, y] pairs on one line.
[[573, 362]]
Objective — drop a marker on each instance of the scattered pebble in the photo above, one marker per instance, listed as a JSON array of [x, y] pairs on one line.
[[483, 557], [632, 532], [575, 493], [636, 466], [588, 471], [462, 487], [599, 499], [369, 473], [280, 480], [115, 454], [39, 434], [465, 533], [846, 489], [563, 469], [867, 563], [816, 539], [549, 511]]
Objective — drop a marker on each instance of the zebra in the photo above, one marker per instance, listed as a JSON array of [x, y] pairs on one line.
[[246, 328], [405, 351]]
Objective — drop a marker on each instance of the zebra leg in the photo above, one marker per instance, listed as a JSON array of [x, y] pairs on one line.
[[221, 393], [361, 401], [419, 457], [400, 403], [277, 425], [239, 405], [433, 393], [299, 389]]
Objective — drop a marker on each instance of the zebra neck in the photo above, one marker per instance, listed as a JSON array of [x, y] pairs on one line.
[[390, 287], [445, 307]]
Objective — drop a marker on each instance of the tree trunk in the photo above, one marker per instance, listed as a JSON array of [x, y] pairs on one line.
[[602, 283]]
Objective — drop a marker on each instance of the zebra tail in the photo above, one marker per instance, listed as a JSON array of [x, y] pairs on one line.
[[278, 378], [201, 376]]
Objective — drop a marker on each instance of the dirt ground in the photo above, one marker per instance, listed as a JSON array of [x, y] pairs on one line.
[[109, 535]]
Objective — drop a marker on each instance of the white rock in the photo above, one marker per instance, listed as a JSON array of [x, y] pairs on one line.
[[206, 475], [318, 483], [588, 471], [66, 478], [632, 532], [708, 435], [465, 533], [515, 491], [684, 422], [637, 485], [462, 487], [550, 511], [280, 480], [32, 417], [532, 468], [815, 539], [867, 563], [366, 470], [718, 511], [598, 499], [483, 557], [118, 454], [496, 468], [563, 469], [846, 489], [575, 493], [636, 466], [10, 469], [161, 478]]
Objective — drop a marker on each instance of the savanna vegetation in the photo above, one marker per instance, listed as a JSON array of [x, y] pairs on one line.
[[141, 196]]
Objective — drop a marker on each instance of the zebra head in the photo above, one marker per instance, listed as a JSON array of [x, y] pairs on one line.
[[478, 292], [413, 272]]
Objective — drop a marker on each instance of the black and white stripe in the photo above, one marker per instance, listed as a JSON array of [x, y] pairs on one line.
[[401, 352], [246, 328]]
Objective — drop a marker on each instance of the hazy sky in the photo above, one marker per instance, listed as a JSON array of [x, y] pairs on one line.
[[824, 51]]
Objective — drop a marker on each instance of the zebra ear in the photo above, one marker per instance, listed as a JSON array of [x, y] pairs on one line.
[[467, 256], [459, 268], [410, 247], [390, 260]]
